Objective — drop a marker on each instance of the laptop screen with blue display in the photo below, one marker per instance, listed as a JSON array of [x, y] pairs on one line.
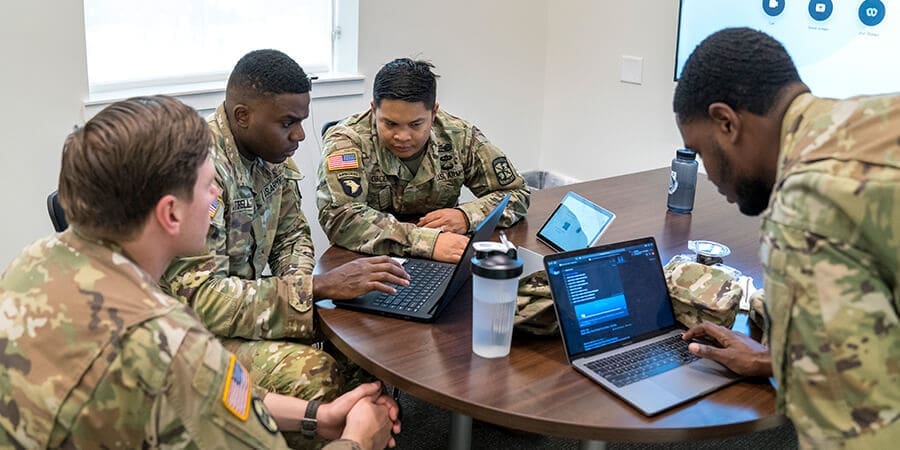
[[614, 294]]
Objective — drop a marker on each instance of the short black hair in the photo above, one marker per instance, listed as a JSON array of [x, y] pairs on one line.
[[741, 67], [408, 80], [266, 72]]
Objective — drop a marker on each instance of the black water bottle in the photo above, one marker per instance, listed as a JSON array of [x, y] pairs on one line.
[[683, 181]]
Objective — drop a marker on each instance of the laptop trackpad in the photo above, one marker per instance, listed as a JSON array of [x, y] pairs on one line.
[[694, 379]]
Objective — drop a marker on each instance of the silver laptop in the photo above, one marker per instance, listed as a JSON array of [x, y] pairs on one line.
[[618, 327]]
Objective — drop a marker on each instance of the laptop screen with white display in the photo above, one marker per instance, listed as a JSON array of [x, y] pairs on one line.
[[614, 295], [576, 223]]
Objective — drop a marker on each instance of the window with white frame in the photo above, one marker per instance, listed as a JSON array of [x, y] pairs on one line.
[[139, 43]]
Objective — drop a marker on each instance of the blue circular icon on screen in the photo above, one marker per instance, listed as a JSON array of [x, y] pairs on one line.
[[871, 12], [773, 7], [820, 9]]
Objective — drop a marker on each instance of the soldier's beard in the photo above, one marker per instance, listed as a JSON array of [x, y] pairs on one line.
[[751, 191]]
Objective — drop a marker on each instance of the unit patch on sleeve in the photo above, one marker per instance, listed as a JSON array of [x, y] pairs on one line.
[[262, 413], [236, 395], [351, 186], [503, 171], [341, 161]]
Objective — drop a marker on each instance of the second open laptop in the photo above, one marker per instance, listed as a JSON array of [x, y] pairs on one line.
[[618, 326], [432, 284]]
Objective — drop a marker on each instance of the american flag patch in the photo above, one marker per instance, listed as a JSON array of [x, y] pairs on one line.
[[342, 161], [236, 395], [213, 207]]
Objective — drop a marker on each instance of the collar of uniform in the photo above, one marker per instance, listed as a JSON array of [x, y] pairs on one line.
[[793, 121], [230, 148], [110, 254]]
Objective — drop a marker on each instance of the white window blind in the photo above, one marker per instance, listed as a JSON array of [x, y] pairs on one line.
[[138, 43]]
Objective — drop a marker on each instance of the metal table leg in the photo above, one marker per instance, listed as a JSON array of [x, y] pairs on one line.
[[460, 432]]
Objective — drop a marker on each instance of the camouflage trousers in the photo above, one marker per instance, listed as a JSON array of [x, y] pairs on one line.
[[298, 370]]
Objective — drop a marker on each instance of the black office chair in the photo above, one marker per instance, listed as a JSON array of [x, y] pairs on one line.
[[57, 215], [329, 125]]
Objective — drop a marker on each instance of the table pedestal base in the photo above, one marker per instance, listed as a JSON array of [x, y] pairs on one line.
[[460, 431]]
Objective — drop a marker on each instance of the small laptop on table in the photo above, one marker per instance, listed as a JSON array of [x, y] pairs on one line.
[[432, 284], [618, 327]]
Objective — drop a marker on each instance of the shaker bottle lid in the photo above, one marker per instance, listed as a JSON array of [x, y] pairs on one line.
[[497, 266], [683, 153]]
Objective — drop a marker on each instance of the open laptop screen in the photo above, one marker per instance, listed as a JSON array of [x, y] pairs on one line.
[[609, 296]]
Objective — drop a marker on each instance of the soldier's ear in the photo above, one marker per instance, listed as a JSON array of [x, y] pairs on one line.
[[372, 106], [435, 110], [725, 120], [241, 114], [167, 214]]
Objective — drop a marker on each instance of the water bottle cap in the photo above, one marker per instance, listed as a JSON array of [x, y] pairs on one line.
[[683, 153], [497, 266]]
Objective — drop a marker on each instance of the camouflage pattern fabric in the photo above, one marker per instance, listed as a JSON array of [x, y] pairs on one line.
[[258, 221], [94, 355], [758, 315], [702, 293], [830, 249], [368, 206], [534, 306]]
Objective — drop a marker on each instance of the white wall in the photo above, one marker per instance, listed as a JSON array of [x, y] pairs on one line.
[[42, 84], [490, 56], [539, 78], [594, 126]]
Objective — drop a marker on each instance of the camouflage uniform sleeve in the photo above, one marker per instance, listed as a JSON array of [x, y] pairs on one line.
[[197, 407], [292, 249], [490, 176], [230, 306], [351, 223], [830, 251]]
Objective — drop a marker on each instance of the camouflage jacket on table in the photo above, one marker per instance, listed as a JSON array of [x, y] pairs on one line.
[[367, 208], [94, 355], [830, 249], [257, 220]]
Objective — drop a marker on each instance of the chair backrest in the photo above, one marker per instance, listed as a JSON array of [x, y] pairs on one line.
[[57, 215], [329, 125]]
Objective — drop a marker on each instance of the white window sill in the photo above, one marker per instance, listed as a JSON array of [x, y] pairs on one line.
[[208, 95]]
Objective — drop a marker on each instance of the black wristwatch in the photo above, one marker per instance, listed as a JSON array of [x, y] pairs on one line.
[[309, 424]]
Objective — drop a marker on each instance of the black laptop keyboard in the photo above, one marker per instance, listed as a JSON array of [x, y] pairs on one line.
[[427, 277], [644, 362]]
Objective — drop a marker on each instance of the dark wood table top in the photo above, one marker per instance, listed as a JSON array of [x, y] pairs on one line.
[[534, 388]]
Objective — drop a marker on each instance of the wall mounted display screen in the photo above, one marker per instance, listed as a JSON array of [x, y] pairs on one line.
[[842, 48]]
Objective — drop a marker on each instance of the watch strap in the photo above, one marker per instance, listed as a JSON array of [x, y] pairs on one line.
[[309, 424]]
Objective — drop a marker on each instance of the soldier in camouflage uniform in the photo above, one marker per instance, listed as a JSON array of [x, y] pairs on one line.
[[93, 354], [390, 177], [257, 221], [826, 175]]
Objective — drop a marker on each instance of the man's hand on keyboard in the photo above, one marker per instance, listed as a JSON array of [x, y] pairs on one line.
[[738, 352], [359, 277]]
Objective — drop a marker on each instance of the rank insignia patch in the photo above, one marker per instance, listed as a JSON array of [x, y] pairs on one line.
[[341, 161], [503, 171], [236, 395], [351, 186]]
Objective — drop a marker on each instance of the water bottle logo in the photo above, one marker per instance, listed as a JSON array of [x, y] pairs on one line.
[[673, 183]]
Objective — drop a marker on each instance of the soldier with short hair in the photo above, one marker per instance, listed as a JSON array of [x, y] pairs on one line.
[[94, 355], [390, 177], [825, 174], [268, 321]]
